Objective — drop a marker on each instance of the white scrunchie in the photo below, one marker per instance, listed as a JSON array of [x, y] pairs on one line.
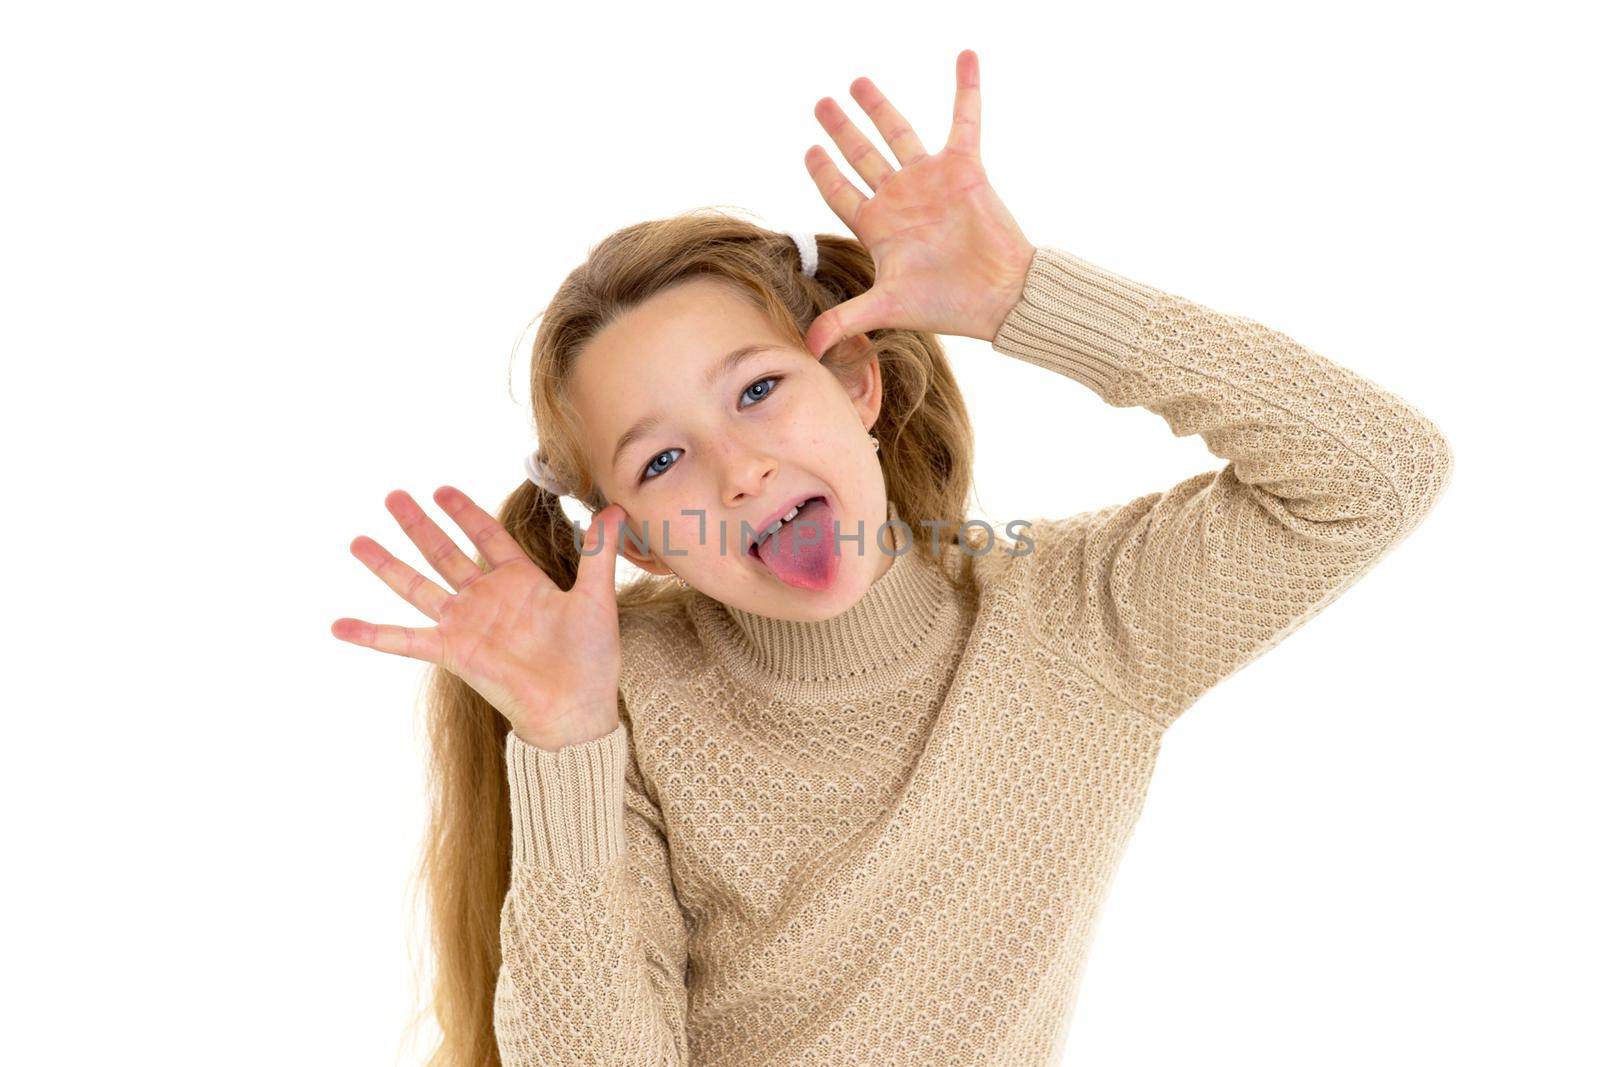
[[541, 475], [807, 243]]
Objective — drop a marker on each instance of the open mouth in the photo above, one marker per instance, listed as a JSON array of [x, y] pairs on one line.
[[761, 536], [800, 548]]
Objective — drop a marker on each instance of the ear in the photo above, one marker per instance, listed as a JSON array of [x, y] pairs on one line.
[[629, 550], [861, 376], [648, 563]]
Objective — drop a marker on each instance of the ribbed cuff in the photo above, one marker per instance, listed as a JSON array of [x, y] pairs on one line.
[[566, 805], [1075, 318]]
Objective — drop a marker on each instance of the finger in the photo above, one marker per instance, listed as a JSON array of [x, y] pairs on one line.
[[871, 310], [965, 126], [895, 130], [416, 590], [408, 641], [597, 563], [859, 152], [443, 554], [842, 196], [484, 529]]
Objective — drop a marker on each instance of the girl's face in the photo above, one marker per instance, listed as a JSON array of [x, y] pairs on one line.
[[700, 420]]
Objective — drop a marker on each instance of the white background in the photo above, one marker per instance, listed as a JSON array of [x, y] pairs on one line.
[[265, 263]]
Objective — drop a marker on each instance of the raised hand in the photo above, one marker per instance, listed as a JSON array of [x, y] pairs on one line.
[[949, 257], [549, 661]]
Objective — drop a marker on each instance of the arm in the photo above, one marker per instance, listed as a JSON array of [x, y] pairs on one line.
[[593, 942], [1164, 596]]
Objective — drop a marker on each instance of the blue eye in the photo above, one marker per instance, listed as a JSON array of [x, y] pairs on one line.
[[652, 470], [774, 380]]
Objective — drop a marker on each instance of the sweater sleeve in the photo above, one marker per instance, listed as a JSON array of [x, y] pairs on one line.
[[592, 939], [1164, 596]]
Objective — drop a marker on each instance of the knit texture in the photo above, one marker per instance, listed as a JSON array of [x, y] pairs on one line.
[[885, 838]]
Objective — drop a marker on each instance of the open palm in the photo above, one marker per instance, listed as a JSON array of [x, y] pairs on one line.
[[548, 660], [949, 257]]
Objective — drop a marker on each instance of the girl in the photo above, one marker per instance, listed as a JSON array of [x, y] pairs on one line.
[[841, 779]]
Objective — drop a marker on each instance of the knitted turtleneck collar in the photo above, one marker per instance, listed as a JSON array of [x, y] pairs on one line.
[[908, 619]]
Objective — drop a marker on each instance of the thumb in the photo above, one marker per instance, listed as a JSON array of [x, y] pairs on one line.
[[869, 311], [597, 563]]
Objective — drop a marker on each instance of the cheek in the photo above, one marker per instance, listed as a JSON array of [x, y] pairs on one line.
[[691, 518], [820, 427]]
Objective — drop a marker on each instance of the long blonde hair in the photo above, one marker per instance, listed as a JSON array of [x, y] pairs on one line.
[[926, 447]]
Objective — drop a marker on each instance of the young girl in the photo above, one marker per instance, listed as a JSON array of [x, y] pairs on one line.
[[854, 797]]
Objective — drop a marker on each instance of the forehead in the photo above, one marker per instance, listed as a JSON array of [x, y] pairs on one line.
[[692, 319], [674, 331], [650, 358]]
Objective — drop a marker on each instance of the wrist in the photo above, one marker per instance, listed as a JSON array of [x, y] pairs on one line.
[[1010, 289], [557, 739], [575, 727]]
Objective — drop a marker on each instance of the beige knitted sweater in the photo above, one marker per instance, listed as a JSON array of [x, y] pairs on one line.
[[884, 838]]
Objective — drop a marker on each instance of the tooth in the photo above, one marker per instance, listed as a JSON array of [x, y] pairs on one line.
[[778, 524]]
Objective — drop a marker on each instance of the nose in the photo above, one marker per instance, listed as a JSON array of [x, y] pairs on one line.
[[747, 469]]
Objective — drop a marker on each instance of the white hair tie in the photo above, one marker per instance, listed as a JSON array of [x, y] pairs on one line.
[[807, 243], [540, 474]]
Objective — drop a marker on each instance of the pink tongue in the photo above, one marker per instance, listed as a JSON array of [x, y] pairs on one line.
[[802, 553]]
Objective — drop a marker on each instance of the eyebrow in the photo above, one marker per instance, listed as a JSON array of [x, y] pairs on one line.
[[716, 371]]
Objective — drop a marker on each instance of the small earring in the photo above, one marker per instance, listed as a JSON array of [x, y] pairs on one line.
[[874, 439], [679, 578]]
